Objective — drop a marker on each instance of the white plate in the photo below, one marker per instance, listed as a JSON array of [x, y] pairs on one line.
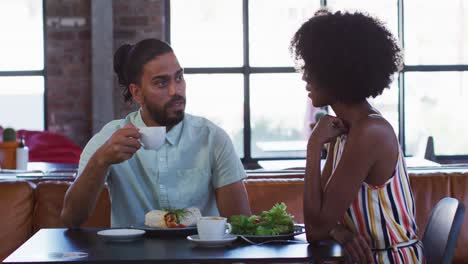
[[161, 231], [212, 243], [121, 234]]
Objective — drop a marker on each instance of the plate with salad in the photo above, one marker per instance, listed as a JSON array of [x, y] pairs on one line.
[[275, 224]]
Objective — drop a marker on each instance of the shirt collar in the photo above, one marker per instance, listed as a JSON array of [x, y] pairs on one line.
[[172, 136], [138, 120]]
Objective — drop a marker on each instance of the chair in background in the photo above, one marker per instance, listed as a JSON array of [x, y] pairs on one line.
[[425, 149], [429, 153], [47, 146], [442, 230]]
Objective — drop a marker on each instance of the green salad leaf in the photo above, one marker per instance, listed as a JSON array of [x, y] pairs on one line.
[[276, 221]]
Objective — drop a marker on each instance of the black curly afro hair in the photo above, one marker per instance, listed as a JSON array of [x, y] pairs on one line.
[[350, 56]]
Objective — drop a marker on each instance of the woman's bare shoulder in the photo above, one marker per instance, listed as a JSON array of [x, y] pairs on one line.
[[373, 129]]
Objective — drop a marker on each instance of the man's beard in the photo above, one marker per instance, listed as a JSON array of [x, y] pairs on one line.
[[162, 117]]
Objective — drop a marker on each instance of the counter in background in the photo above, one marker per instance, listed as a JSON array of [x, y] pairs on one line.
[[411, 162], [42, 170]]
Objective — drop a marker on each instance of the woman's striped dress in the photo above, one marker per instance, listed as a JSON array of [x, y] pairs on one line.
[[385, 216]]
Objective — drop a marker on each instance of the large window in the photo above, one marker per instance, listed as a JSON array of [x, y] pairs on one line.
[[240, 73], [22, 64], [436, 75]]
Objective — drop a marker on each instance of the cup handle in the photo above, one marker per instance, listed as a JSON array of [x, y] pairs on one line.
[[141, 143], [228, 228]]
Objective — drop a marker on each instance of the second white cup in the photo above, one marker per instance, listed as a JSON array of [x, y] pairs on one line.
[[213, 227], [152, 137]]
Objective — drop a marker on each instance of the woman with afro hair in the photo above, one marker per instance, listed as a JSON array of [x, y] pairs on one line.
[[362, 198]]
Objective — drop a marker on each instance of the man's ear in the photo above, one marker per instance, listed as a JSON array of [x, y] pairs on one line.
[[136, 93]]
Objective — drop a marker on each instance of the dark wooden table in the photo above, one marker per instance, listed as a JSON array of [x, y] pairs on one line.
[[50, 245]]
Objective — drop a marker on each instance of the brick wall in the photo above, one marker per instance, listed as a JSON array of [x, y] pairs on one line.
[[68, 64], [133, 21], [68, 58]]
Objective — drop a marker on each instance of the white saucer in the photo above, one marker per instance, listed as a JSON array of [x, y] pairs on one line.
[[121, 234], [212, 243]]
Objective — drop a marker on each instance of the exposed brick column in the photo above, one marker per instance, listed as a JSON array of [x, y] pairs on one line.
[[68, 58], [69, 68]]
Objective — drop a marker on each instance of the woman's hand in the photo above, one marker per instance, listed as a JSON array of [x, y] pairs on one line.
[[355, 245], [328, 128]]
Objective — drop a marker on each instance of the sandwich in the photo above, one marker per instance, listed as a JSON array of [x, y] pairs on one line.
[[172, 218]]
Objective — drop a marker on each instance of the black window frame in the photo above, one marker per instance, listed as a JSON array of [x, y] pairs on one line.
[[246, 70], [42, 72]]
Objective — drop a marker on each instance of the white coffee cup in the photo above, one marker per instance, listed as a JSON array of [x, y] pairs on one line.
[[152, 137], [213, 227]]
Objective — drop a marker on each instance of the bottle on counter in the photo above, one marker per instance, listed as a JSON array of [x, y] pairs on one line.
[[22, 155]]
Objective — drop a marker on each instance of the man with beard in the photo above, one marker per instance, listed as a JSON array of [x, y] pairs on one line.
[[195, 167]]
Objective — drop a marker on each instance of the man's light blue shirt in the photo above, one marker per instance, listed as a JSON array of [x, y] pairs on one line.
[[197, 158]]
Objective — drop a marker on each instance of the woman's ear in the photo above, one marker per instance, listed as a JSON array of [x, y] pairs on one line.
[[136, 93]]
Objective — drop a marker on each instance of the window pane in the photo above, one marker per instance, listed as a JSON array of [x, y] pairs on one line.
[[22, 35], [22, 102], [385, 10], [219, 98], [435, 32], [278, 104], [207, 33], [436, 106], [272, 25], [387, 104]]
